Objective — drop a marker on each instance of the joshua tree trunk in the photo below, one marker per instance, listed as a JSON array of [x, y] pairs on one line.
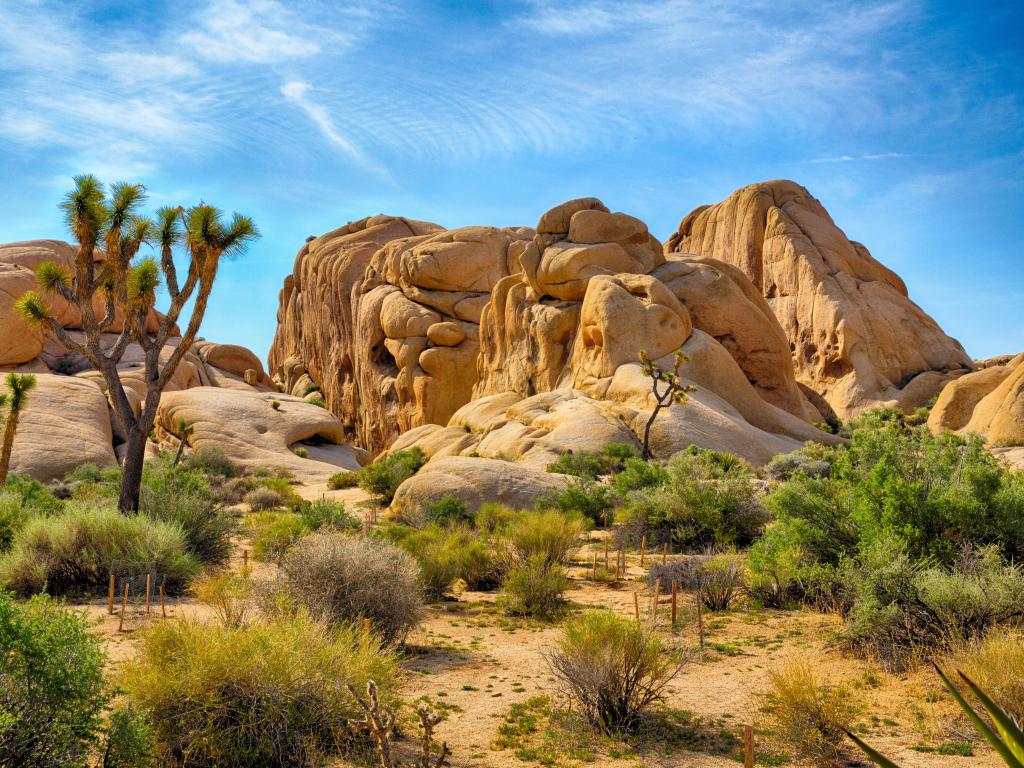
[[10, 427], [128, 288], [181, 450]]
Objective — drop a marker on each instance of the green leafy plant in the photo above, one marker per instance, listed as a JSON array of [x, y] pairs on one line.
[[341, 480], [382, 477], [611, 668], [19, 384], [52, 691], [674, 392], [262, 694], [1000, 731]]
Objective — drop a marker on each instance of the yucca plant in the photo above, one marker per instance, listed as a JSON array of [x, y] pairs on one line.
[[1004, 735], [106, 267], [675, 391], [184, 431], [19, 386]]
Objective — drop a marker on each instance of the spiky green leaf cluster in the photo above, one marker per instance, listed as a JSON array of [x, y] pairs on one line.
[[143, 280], [1006, 738], [32, 308], [50, 276], [19, 384]]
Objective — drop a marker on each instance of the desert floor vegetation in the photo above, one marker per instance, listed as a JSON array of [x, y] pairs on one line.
[[645, 616]]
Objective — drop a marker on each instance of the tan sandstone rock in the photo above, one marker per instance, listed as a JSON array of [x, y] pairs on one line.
[[65, 424], [253, 433], [856, 338], [476, 481]]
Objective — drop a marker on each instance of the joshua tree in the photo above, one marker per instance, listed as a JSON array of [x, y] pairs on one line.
[[19, 384], [184, 431], [675, 391], [109, 232]]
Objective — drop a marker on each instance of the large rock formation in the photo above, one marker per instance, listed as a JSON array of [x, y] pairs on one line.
[[520, 343], [221, 390], [989, 402], [855, 337]]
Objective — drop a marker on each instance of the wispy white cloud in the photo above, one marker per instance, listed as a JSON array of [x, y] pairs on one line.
[[297, 93], [859, 158], [249, 31]]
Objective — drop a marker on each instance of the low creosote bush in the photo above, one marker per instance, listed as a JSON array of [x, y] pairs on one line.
[[323, 514], [808, 716], [71, 553], [448, 553], [212, 462], [35, 496], [274, 533], [13, 516], [230, 595], [185, 497], [548, 535], [52, 691], [608, 461], [261, 695], [612, 668], [382, 477], [340, 578], [534, 588], [583, 496], [719, 579], [261, 499], [341, 480]]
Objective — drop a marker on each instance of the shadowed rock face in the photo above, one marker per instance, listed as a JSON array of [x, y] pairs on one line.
[[855, 338], [989, 402]]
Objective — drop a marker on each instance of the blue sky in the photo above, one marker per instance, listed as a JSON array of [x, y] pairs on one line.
[[905, 118]]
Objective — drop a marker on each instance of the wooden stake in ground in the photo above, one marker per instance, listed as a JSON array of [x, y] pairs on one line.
[[636, 605], [245, 558], [110, 596], [700, 617], [124, 607], [748, 747], [149, 588], [367, 626], [606, 556], [664, 553], [163, 608], [675, 589], [622, 557], [654, 602], [594, 577], [643, 550]]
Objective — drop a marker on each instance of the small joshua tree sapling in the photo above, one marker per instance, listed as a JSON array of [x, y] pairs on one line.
[[674, 390]]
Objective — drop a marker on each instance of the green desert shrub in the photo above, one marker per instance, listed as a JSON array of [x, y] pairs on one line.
[[807, 715], [719, 578], [232, 490], [995, 663], [611, 668], [13, 516], [185, 497], [130, 741], [52, 691], [709, 500], [340, 578], [383, 476], [534, 588], [449, 509], [71, 553], [260, 695], [323, 514], [341, 480], [786, 465], [35, 496], [274, 533], [638, 474], [547, 534], [608, 461], [212, 462], [778, 571], [262, 498], [493, 517], [585, 497], [904, 607], [435, 550], [230, 595]]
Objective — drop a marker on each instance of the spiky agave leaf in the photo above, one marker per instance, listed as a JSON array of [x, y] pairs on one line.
[[32, 308], [1009, 731], [50, 276], [980, 725], [875, 756]]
